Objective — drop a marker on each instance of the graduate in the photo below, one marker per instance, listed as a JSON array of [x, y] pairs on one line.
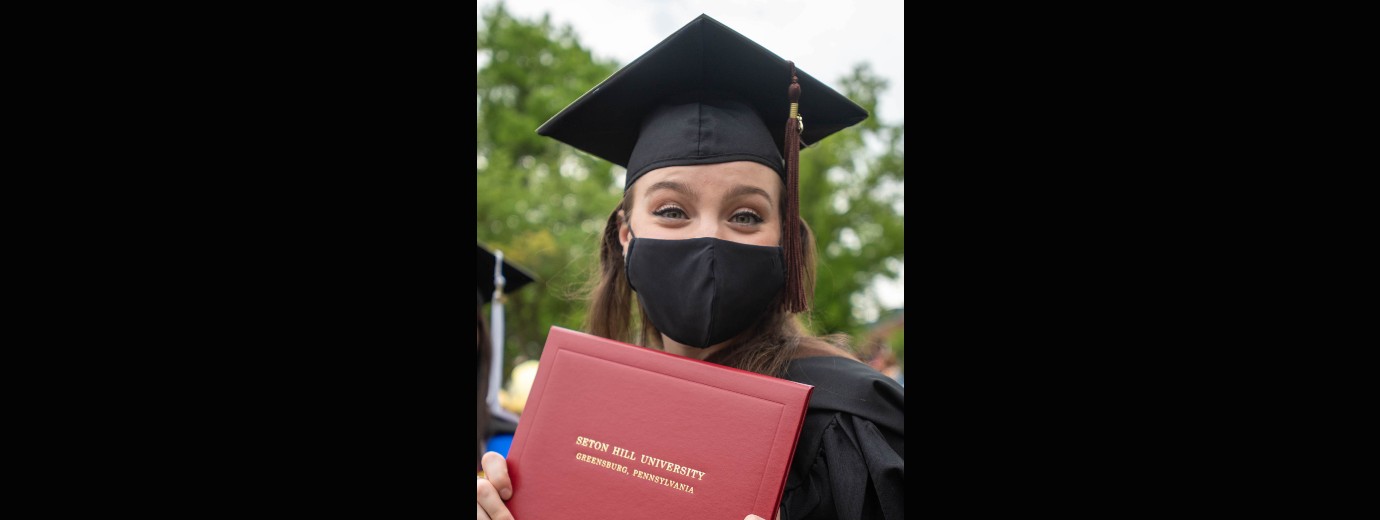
[[708, 248], [495, 426]]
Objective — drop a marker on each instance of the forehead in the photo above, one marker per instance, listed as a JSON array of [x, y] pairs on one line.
[[713, 177]]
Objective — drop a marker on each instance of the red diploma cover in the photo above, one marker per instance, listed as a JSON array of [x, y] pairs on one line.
[[611, 430]]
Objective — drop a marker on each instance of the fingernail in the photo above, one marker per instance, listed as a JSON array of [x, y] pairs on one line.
[[506, 493]]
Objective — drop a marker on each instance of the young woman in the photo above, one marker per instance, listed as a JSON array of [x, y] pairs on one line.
[[708, 238]]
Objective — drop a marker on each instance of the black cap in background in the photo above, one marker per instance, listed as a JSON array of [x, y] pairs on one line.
[[514, 278]]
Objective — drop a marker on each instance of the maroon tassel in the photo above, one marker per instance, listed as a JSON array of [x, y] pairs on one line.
[[791, 241]]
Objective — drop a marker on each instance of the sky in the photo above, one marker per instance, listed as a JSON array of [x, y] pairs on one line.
[[825, 38]]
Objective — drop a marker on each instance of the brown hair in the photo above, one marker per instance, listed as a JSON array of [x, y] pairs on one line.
[[767, 347]]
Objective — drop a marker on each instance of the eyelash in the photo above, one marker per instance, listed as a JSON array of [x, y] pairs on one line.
[[756, 219], [664, 210], [753, 217]]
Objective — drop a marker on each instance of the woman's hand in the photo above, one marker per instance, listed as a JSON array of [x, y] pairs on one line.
[[494, 488], [755, 517]]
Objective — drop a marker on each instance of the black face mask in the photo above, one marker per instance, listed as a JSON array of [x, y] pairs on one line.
[[703, 291]]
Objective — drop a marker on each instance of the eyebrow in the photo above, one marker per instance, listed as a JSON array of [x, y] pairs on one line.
[[740, 190], [744, 190], [670, 185]]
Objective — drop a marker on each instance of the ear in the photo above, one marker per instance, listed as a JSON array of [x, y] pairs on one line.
[[623, 236]]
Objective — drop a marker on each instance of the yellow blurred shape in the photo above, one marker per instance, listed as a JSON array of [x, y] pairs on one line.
[[514, 397]]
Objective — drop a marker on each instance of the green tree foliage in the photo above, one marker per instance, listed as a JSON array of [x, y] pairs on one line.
[[851, 197], [544, 203], [897, 342], [541, 202]]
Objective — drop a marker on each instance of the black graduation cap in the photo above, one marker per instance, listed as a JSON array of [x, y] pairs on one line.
[[513, 276], [707, 94], [703, 59]]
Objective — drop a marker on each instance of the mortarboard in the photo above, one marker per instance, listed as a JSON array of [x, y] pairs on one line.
[[514, 277], [704, 95]]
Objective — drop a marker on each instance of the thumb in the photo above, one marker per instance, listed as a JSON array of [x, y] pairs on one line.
[[754, 517]]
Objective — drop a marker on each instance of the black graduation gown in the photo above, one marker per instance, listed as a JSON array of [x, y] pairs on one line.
[[850, 461]]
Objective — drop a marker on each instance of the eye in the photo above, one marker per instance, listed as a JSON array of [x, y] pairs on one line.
[[746, 217], [671, 212]]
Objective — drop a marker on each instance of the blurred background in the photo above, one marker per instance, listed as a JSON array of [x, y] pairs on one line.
[[543, 203]]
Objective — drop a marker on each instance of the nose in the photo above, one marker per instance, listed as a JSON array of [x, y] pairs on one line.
[[711, 228]]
